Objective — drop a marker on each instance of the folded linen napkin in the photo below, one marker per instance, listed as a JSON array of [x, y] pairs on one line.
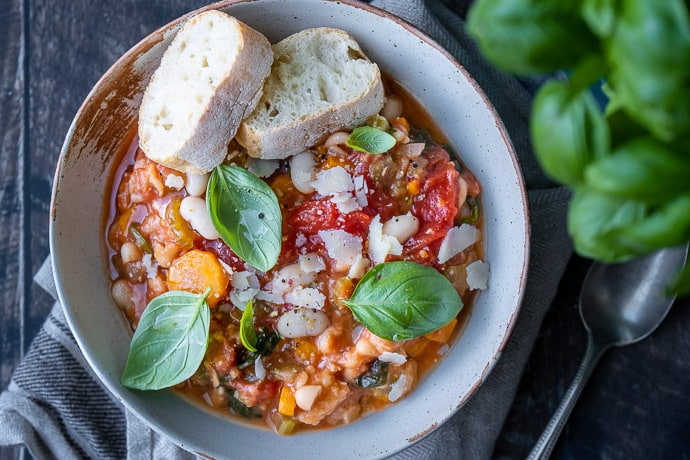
[[57, 408]]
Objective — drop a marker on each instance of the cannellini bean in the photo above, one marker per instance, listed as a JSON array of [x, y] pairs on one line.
[[302, 322], [401, 227], [130, 252], [290, 277], [337, 138], [196, 184], [122, 293], [306, 395], [193, 210], [303, 171], [392, 108]]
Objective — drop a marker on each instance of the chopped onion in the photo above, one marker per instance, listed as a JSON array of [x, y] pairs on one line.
[[259, 369], [412, 150]]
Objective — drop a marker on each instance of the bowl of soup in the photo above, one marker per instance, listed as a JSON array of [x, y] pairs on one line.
[[398, 279]]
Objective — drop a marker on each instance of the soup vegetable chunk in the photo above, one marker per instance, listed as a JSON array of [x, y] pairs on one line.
[[301, 292]]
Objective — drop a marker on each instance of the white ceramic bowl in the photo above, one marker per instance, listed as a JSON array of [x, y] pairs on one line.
[[465, 116]]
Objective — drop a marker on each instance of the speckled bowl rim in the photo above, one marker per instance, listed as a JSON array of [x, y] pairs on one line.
[[82, 283]]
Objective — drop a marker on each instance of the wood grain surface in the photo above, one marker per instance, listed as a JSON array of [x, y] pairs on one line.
[[636, 405]]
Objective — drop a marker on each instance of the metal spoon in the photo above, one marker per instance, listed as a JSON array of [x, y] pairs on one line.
[[620, 304]]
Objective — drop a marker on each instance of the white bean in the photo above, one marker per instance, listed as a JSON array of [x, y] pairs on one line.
[[130, 252], [193, 210], [306, 395], [196, 184], [392, 108], [303, 171], [122, 293], [337, 138], [290, 277], [401, 227], [302, 322]]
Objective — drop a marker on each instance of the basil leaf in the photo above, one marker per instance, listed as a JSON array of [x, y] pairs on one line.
[[247, 333], [266, 341], [403, 300], [592, 219], [530, 36], [642, 169], [245, 212], [370, 140], [582, 132], [649, 52], [170, 341]]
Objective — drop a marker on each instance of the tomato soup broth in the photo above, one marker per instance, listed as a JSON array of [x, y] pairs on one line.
[[322, 367]]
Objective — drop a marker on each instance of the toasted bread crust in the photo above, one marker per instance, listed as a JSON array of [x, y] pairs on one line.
[[198, 96], [322, 82]]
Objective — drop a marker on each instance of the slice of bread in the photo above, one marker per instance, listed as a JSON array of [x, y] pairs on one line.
[[209, 79], [320, 82]]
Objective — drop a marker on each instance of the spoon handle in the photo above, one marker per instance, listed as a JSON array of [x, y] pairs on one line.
[[542, 449]]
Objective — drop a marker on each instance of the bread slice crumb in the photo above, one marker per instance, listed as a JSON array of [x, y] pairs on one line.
[[320, 82], [209, 79]]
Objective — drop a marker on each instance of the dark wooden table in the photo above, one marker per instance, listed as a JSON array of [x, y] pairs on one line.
[[636, 406]]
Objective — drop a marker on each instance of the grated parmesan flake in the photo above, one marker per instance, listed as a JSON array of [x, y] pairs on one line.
[[380, 244], [457, 240], [342, 247], [332, 181], [478, 275]]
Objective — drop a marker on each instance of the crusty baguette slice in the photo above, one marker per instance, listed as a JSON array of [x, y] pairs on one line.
[[320, 82], [210, 78]]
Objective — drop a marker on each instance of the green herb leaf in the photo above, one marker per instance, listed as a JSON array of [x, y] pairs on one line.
[[370, 140], [170, 341], [404, 300], [643, 169], [247, 331], [375, 376], [245, 212], [530, 36], [649, 52], [582, 132], [139, 238], [266, 341]]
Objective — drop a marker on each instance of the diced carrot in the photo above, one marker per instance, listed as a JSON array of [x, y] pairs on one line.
[[286, 403], [416, 346], [342, 289], [335, 160], [442, 334], [304, 349], [414, 187], [196, 270]]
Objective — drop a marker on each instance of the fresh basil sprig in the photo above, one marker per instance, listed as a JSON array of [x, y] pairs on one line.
[[626, 155], [403, 300], [245, 212], [370, 140], [247, 332], [170, 341]]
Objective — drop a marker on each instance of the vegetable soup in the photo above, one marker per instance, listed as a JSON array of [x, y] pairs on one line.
[[312, 290]]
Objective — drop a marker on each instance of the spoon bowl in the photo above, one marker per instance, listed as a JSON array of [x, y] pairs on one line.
[[623, 303], [620, 304]]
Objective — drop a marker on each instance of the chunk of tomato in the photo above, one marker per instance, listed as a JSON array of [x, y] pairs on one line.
[[436, 207]]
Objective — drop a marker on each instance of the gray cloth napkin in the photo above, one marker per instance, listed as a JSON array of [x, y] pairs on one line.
[[57, 408]]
